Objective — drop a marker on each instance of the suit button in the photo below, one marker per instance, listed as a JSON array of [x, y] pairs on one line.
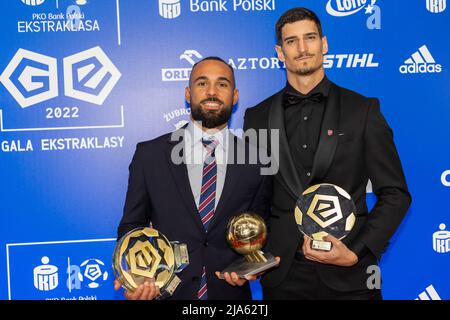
[[304, 146], [205, 243], [308, 174]]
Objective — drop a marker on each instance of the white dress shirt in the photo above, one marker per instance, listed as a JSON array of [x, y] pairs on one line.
[[195, 155]]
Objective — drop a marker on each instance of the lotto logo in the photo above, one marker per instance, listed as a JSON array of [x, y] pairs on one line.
[[32, 78]]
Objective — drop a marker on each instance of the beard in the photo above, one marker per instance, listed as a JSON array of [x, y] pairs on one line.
[[211, 118], [304, 70]]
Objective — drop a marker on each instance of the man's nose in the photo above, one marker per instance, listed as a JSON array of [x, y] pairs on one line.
[[211, 91], [301, 46]]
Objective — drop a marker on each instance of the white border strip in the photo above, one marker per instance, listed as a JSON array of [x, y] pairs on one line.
[[118, 22], [121, 125], [42, 243]]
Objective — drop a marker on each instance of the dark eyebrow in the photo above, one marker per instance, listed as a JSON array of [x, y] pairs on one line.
[[305, 35], [224, 79], [201, 78], [290, 38], [219, 78]]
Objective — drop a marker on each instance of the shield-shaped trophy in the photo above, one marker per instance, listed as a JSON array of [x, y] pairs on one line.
[[325, 209], [247, 234], [146, 254]]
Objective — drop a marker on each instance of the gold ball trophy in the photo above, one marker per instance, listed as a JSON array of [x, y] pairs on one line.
[[325, 209], [146, 254], [247, 234]]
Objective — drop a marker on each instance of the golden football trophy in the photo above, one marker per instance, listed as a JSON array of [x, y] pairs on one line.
[[247, 234]]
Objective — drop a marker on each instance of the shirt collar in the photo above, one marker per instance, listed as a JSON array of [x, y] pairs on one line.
[[322, 87], [197, 134]]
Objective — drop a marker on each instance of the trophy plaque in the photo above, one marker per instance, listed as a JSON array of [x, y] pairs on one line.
[[325, 209], [247, 234], [146, 254]]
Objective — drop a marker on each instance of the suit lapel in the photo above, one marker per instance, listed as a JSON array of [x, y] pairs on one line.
[[181, 178], [287, 170], [328, 136]]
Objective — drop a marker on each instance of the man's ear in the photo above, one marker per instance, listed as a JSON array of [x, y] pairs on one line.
[[324, 45], [280, 53], [187, 94], [235, 96]]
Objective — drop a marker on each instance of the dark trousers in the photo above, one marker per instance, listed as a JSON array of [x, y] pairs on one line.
[[304, 283]]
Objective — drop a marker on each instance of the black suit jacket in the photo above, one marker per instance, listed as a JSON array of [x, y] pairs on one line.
[[356, 144], [159, 192]]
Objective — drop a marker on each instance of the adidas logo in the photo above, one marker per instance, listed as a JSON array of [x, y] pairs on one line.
[[429, 294], [421, 61]]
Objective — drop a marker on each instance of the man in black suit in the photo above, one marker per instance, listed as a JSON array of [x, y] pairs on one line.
[[189, 184], [328, 134]]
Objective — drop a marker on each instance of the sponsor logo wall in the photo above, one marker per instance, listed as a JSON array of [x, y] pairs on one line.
[[82, 81]]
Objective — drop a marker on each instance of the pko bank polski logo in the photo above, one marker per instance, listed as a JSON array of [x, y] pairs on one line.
[[32, 78], [343, 8], [33, 2], [420, 61], [441, 240], [436, 6], [169, 9]]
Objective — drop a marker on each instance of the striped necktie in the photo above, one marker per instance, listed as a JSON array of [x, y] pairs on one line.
[[207, 200]]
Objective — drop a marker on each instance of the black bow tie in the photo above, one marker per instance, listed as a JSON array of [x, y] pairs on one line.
[[293, 99]]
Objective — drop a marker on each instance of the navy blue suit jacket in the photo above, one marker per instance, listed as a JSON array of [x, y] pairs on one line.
[[159, 192]]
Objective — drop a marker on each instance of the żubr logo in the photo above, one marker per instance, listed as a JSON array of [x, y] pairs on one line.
[[421, 61], [33, 2]]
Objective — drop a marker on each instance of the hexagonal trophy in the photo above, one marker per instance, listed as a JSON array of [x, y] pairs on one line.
[[325, 209], [146, 254], [247, 234]]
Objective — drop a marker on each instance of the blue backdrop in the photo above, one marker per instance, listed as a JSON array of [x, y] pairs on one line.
[[82, 81]]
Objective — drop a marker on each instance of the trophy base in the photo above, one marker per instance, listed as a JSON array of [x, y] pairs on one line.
[[321, 245], [245, 268]]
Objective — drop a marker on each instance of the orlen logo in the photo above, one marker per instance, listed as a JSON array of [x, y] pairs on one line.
[[32, 78], [33, 2], [420, 61], [181, 74]]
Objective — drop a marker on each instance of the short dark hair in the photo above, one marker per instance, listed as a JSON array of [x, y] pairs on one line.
[[294, 15], [215, 59]]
